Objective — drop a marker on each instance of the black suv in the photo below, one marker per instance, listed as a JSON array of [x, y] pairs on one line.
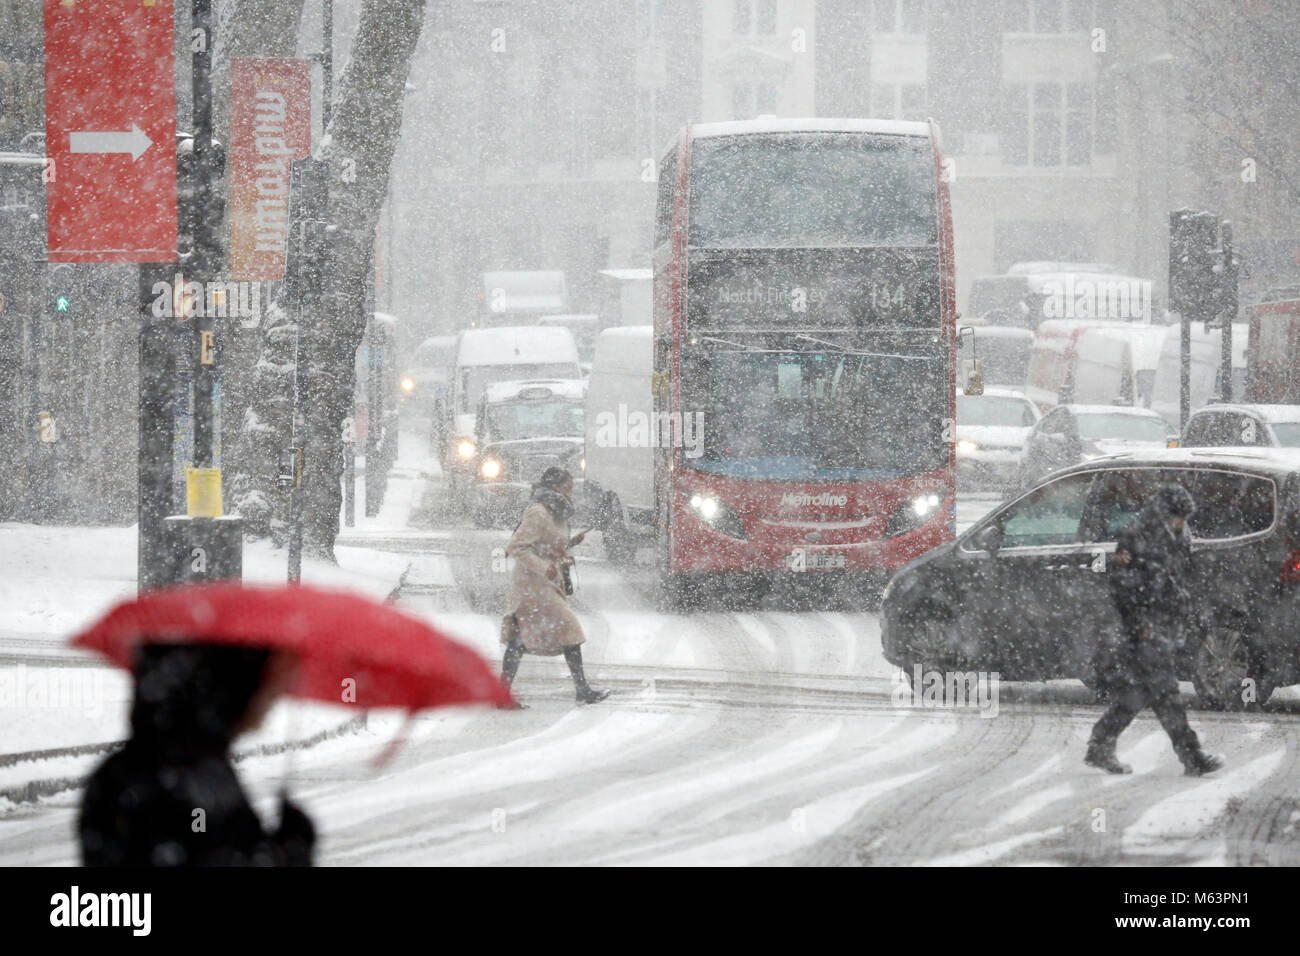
[[1023, 592]]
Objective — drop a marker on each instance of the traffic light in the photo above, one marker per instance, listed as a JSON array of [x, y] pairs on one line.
[[1193, 255], [202, 211], [63, 298]]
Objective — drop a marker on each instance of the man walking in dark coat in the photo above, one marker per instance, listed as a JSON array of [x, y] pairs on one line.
[[170, 797], [1149, 585]]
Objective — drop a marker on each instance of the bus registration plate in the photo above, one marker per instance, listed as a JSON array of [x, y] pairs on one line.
[[816, 561]]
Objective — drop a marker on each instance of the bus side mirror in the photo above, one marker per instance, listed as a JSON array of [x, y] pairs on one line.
[[974, 378]]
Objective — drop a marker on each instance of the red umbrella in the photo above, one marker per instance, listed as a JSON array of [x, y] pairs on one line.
[[350, 649]]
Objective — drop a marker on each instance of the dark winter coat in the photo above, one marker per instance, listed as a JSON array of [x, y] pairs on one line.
[[1150, 578], [170, 797]]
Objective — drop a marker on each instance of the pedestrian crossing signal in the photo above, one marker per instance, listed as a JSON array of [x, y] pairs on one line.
[[63, 304]]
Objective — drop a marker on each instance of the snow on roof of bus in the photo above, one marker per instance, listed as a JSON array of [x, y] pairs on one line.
[[516, 344], [812, 125]]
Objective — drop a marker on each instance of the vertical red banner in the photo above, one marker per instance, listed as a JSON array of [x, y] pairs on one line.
[[110, 130], [270, 126]]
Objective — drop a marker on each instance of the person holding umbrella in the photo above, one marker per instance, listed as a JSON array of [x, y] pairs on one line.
[[209, 660], [170, 797], [539, 620]]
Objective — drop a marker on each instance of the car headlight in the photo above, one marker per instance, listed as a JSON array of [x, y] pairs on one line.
[[967, 447], [491, 468], [717, 515], [466, 449], [408, 385], [913, 513]]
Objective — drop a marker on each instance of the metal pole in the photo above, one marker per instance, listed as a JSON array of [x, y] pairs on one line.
[[327, 64], [1228, 305], [1184, 371], [203, 258]]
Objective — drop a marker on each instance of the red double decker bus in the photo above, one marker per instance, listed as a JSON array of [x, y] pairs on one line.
[[805, 333]]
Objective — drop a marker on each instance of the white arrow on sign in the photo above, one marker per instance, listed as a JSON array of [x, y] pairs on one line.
[[133, 141]]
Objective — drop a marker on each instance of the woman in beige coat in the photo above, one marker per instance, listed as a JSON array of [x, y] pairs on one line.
[[539, 620]]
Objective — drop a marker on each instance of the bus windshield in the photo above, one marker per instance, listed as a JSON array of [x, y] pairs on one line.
[[818, 415], [812, 189]]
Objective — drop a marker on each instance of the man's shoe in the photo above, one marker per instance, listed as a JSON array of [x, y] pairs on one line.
[[1202, 764], [590, 696], [1106, 761], [513, 705]]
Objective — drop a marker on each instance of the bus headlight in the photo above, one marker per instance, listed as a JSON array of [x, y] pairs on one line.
[[491, 468], [466, 449], [408, 385], [717, 515], [913, 513], [582, 463], [967, 447]]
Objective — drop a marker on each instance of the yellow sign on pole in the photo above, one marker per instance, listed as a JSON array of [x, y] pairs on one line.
[[203, 492]]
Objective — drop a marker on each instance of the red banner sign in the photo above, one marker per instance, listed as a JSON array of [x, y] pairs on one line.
[[270, 126], [110, 130]]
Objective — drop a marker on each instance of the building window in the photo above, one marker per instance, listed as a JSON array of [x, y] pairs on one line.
[[898, 16], [903, 101], [1047, 16], [752, 99], [753, 16], [1047, 124]]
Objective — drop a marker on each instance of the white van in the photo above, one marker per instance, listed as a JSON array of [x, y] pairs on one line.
[[1117, 366], [425, 383], [484, 356], [1092, 362], [1204, 371], [620, 478]]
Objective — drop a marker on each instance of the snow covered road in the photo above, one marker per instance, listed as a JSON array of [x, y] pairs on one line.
[[757, 736]]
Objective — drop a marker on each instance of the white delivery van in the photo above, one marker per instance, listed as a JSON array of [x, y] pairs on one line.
[[1204, 370], [484, 356], [1117, 366], [424, 385], [1094, 362], [620, 473]]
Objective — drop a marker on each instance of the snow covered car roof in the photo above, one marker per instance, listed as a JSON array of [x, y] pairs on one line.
[[1001, 391], [573, 389], [1276, 461], [1129, 410], [1272, 414], [818, 125]]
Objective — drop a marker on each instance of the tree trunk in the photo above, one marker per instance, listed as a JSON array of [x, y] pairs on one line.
[[360, 144]]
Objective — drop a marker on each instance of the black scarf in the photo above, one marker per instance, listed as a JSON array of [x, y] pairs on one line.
[[560, 507]]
